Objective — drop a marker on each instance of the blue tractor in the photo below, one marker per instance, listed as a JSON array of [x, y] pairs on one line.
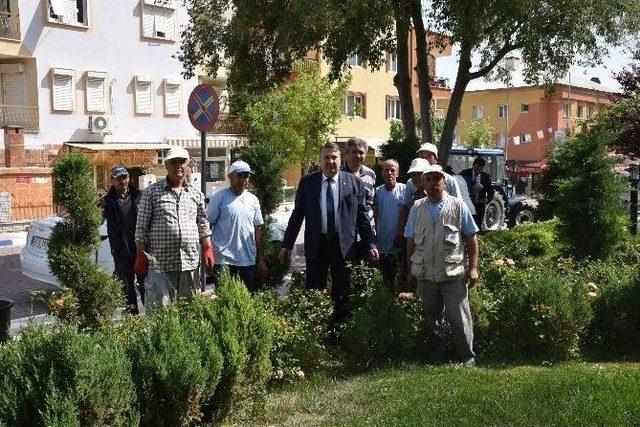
[[506, 208]]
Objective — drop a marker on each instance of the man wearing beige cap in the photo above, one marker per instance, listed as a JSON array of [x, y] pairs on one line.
[[236, 223], [172, 228]]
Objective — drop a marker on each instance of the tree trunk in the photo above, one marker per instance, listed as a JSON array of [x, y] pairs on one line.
[[422, 68], [462, 80], [402, 79]]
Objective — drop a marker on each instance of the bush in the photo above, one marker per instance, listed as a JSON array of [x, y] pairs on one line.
[[89, 296], [62, 377], [301, 321], [268, 166]]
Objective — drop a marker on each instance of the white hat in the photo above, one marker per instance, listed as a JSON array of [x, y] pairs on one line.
[[428, 147], [434, 168], [418, 165], [239, 167], [176, 153]]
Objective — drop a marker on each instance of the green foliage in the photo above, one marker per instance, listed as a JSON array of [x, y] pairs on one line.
[[89, 296], [477, 134], [277, 270], [301, 320], [62, 377], [587, 195], [623, 119], [268, 166]]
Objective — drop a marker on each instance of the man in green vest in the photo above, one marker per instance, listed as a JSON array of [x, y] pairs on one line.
[[442, 249]]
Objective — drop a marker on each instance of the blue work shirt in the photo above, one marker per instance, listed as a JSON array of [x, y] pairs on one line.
[[388, 205], [233, 221], [468, 225]]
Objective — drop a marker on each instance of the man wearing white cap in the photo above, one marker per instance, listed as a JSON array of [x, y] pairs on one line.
[[172, 228], [429, 152], [442, 249], [236, 221]]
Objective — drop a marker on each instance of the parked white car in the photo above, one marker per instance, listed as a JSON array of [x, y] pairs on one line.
[[33, 258]]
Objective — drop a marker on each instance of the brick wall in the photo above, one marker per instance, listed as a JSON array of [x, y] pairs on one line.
[[31, 192], [14, 153]]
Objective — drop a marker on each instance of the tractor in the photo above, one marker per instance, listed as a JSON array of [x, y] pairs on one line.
[[506, 209]]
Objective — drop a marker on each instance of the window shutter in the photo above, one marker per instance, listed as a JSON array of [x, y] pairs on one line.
[[169, 23], [62, 92], [70, 12], [171, 99], [13, 89], [387, 111], [95, 94], [148, 21], [144, 97]]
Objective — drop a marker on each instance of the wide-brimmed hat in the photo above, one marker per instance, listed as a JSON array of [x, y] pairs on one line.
[[433, 168], [418, 165], [427, 146]]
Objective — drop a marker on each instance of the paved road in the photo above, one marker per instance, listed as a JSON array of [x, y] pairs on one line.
[[18, 288]]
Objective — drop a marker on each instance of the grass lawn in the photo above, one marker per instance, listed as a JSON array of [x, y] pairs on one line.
[[573, 394]]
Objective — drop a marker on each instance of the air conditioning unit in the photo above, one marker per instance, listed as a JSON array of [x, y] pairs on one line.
[[100, 124]]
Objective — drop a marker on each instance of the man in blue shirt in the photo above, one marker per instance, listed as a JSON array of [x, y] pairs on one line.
[[443, 252], [236, 220], [387, 208]]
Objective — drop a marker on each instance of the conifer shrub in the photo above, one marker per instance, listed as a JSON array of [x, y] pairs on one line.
[[89, 295], [64, 377]]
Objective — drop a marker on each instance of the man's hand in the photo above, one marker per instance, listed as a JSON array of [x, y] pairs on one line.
[[472, 276], [141, 263], [284, 255], [398, 240], [207, 253], [374, 255], [263, 270]]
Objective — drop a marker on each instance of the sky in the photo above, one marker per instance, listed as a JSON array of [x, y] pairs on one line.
[[618, 59]]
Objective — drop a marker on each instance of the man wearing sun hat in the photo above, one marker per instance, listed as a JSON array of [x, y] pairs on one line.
[[236, 223], [120, 209], [442, 249], [171, 231]]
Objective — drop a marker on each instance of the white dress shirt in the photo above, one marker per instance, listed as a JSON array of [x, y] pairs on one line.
[[335, 188]]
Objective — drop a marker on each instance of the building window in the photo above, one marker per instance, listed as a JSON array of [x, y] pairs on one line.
[[62, 89], [12, 84], [355, 60], [580, 111], [171, 97], [590, 111], [159, 19], [354, 105], [392, 62], [501, 140], [478, 112], [524, 108], [71, 12], [144, 95], [566, 111], [393, 109], [161, 154], [503, 111], [94, 91]]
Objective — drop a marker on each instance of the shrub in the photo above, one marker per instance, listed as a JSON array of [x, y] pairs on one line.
[[62, 377], [268, 166], [301, 320], [91, 294]]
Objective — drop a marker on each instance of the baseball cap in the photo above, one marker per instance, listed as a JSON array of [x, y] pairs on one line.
[[176, 153], [239, 167], [428, 147], [434, 168], [118, 170], [418, 165]]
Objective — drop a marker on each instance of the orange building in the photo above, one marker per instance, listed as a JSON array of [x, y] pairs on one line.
[[526, 118]]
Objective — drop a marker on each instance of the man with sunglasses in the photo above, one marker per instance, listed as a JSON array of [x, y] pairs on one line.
[[236, 221], [171, 231]]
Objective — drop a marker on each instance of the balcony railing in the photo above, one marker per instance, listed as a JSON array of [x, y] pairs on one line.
[[439, 82], [19, 116], [229, 124], [9, 26]]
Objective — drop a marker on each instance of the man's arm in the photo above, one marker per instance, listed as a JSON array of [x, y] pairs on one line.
[[472, 254], [145, 212], [295, 222], [362, 220]]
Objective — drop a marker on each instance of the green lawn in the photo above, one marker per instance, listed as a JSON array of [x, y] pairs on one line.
[[576, 394]]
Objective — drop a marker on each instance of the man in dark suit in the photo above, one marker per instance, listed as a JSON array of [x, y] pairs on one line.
[[332, 204], [480, 188], [121, 211]]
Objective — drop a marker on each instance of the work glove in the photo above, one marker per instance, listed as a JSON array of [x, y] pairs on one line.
[[141, 263], [207, 253]]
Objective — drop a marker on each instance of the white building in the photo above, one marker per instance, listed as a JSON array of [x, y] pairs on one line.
[[64, 63]]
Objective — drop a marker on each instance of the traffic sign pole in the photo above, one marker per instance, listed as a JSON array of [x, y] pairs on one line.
[[203, 109]]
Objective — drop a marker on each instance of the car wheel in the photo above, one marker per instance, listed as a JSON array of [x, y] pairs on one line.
[[494, 214]]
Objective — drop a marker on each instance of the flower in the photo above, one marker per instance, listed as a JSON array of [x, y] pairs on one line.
[[498, 262], [58, 304], [405, 296], [592, 295], [592, 287], [510, 262]]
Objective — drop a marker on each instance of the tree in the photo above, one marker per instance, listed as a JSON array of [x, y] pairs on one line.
[[262, 38], [629, 78], [477, 134]]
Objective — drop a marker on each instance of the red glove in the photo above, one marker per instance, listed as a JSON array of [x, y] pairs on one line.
[[207, 253], [141, 264]]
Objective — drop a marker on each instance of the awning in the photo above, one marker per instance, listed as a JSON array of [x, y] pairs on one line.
[[213, 141], [97, 146]]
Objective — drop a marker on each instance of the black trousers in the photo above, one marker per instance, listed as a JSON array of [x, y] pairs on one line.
[[125, 272], [330, 258], [246, 274]]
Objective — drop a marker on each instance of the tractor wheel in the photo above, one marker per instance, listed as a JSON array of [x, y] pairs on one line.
[[522, 214], [494, 214]]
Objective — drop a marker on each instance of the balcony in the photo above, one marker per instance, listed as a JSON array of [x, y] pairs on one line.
[[9, 26], [19, 116], [439, 82], [229, 124]]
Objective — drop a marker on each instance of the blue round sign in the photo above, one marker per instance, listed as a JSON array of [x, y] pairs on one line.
[[203, 107]]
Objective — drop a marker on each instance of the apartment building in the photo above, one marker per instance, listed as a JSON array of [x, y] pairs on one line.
[[527, 118], [98, 77]]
